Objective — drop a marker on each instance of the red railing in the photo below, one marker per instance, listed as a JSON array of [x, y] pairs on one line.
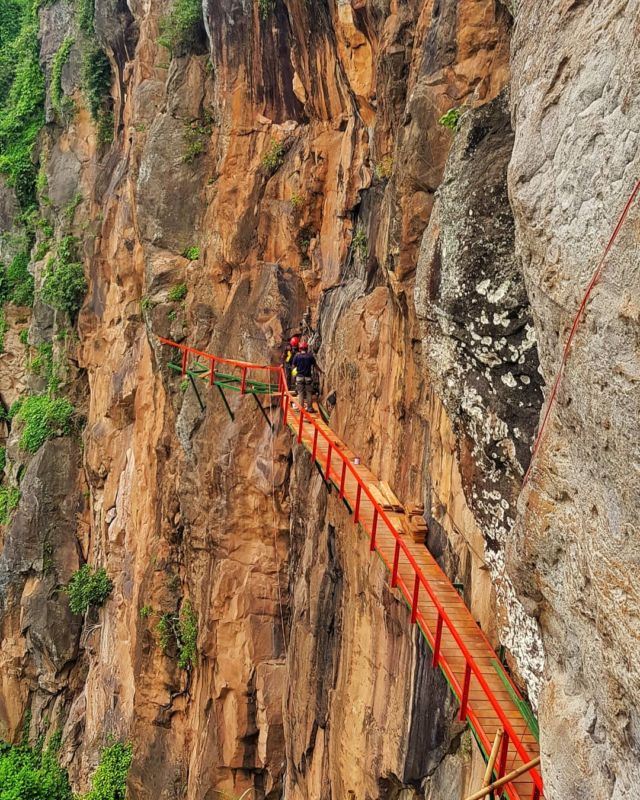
[[412, 595]]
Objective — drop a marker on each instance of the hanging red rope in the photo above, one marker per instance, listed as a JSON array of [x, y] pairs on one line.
[[580, 313]]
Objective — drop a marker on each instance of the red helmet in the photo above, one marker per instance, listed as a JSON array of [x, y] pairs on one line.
[[294, 342], [304, 346]]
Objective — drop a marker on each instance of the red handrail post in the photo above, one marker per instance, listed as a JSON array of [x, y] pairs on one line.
[[285, 409], [315, 444], [464, 701], [356, 515], [437, 642], [343, 479], [396, 564], [374, 528], [301, 425], [212, 373], [502, 758], [185, 355], [536, 793], [414, 605], [327, 472], [243, 384]]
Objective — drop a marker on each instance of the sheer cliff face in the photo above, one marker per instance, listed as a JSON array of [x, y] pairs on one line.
[[290, 156], [576, 112]]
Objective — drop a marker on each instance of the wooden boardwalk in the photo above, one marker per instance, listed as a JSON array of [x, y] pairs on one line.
[[488, 699], [492, 701]]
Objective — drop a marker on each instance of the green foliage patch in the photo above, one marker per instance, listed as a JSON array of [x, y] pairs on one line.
[[9, 498], [182, 29], [273, 158], [177, 293], [360, 244], [109, 781], [16, 282], [43, 417], [451, 119], [180, 631], [88, 588], [192, 253], [22, 96], [64, 286], [59, 60], [32, 773], [3, 329]]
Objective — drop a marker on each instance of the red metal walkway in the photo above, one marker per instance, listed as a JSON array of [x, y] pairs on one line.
[[488, 699]]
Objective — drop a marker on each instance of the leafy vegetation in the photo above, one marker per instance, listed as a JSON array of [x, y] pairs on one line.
[[64, 286], [195, 139], [297, 201], [451, 119], [16, 282], [273, 159], [32, 773], [109, 781], [43, 417], [59, 60], [384, 168], [180, 630], [192, 253], [88, 588], [9, 497], [188, 635], [3, 458], [3, 329], [22, 96], [177, 293], [182, 29], [265, 7], [146, 611], [360, 244]]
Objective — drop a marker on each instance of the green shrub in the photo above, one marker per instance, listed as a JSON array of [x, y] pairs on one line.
[[22, 95], [43, 364], [360, 244], [177, 293], [109, 781], [24, 337], [273, 159], [192, 253], [59, 60], [164, 629], [451, 119], [297, 201], [188, 635], [146, 611], [9, 498], [88, 588], [3, 329], [182, 30], [265, 7], [43, 417], [96, 78], [3, 458], [64, 286], [195, 140], [85, 14], [16, 285], [384, 168], [32, 773]]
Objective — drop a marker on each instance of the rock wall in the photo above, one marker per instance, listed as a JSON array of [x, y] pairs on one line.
[[576, 113], [284, 166]]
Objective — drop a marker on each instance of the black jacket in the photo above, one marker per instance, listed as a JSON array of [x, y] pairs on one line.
[[304, 364]]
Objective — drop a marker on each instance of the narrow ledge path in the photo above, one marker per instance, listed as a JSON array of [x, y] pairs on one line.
[[489, 701]]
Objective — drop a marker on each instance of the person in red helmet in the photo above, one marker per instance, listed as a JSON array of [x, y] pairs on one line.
[[304, 364], [291, 351]]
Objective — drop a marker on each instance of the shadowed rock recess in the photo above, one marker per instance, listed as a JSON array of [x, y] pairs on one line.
[[429, 186]]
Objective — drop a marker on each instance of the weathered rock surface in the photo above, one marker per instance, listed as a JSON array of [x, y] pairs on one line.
[[292, 159], [576, 112]]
